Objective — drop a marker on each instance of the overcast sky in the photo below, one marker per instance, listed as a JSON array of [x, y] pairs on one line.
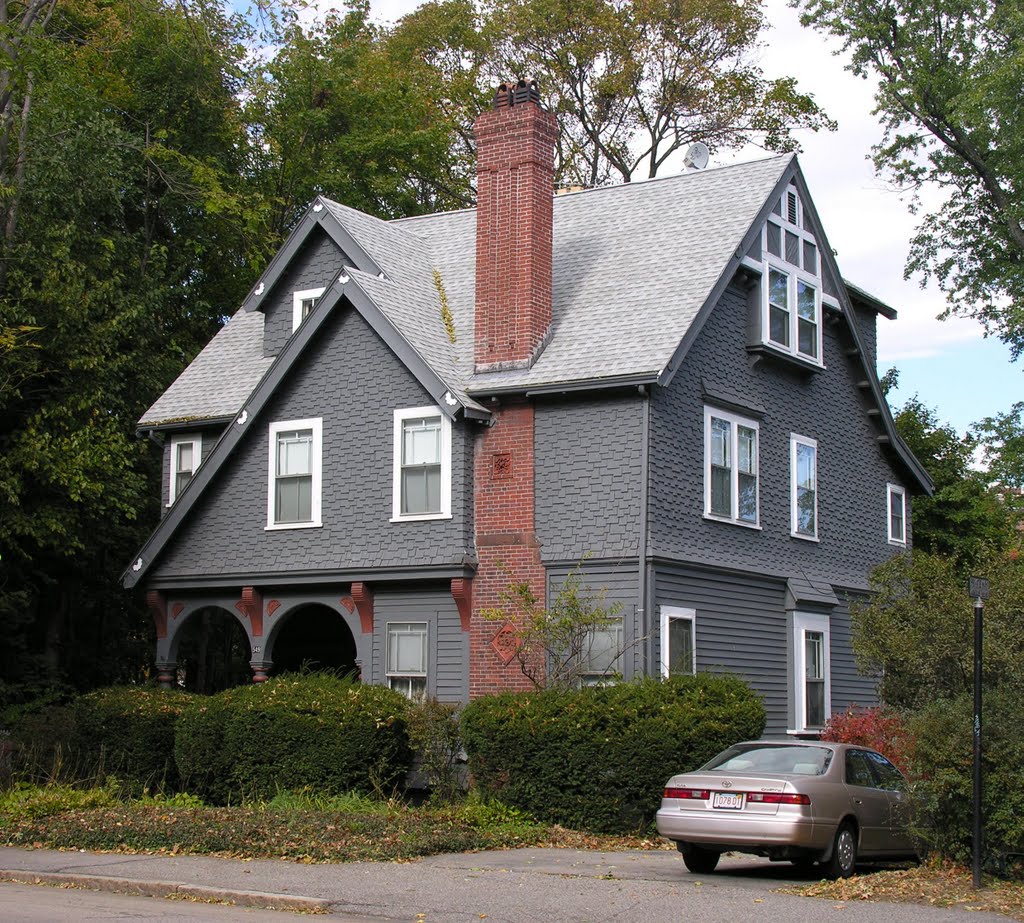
[[948, 363]]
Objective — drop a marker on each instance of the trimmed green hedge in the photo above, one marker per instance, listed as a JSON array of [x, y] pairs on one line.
[[121, 731], [598, 759], [292, 732], [128, 732]]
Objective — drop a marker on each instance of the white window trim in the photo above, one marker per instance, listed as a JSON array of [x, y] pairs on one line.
[[804, 622], [796, 440], [197, 457], [297, 299], [794, 273], [890, 491], [394, 674], [734, 420], [446, 465], [668, 613], [316, 425]]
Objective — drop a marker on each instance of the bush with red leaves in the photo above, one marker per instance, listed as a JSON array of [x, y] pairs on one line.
[[881, 729]]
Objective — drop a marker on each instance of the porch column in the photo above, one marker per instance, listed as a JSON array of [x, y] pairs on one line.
[[260, 670]]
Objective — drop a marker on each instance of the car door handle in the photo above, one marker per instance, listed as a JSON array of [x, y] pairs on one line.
[[857, 801]]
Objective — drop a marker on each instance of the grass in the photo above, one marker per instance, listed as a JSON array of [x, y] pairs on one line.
[[935, 884], [298, 826]]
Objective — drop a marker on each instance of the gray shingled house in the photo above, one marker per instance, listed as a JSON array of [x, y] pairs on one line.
[[669, 378]]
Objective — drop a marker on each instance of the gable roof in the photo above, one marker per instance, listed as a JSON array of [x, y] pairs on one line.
[[630, 295]]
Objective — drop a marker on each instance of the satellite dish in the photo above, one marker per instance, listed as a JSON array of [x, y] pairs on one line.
[[697, 156]]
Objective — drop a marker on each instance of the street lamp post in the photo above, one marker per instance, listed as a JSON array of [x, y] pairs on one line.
[[978, 588]]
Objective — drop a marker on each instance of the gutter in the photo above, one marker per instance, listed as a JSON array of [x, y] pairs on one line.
[[582, 384]]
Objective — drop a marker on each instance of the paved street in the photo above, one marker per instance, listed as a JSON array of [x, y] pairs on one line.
[[504, 886]]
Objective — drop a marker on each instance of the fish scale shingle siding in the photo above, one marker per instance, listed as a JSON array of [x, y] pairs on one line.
[[588, 461], [826, 406], [354, 382], [320, 262]]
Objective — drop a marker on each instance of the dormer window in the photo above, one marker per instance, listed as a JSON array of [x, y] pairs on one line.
[[303, 303], [791, 293]]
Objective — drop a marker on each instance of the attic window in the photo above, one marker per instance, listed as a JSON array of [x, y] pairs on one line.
[[303, 303], [791, 282]]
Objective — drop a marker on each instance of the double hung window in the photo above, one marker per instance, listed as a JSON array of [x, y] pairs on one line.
[[407, 659], [678, 648], [804, 486], [186, 454], [422, 464], [731, 466], [293, 489], [897, 503], [791, 300], [601, 657]]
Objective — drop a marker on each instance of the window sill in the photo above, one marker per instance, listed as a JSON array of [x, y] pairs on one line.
[[807, 732], [285, 526], [732, 522], [898, 543], [805, 538], [422, 517], [777, 353]]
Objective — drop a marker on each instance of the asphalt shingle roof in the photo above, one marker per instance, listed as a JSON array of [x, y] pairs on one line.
[[633, 266]]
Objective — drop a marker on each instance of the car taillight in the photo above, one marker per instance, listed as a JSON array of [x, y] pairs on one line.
[[698, 793], [778, 798]]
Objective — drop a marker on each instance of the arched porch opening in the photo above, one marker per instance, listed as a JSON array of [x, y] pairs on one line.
[[314, 637], [212, 652]]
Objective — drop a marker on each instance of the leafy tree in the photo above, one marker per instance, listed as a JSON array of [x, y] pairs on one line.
[[634, 82], [964, 516], [1002, 441], [130, 221], [915, 631], [948, 95], [339, 110]]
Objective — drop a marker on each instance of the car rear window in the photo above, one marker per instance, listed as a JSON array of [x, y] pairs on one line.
[[804, 761]]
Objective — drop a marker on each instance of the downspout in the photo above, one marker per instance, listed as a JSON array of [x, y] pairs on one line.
[[642, 582]]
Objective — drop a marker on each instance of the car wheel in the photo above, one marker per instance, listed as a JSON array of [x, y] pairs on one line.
[[701, 861], [843, 861]]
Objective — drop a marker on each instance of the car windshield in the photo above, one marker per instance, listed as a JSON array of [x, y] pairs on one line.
[[803, 761]]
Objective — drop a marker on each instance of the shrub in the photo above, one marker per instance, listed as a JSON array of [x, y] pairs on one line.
[[598, 758], [437, 743], [881, 729], [128, 731], [292, 732], [942, 761]]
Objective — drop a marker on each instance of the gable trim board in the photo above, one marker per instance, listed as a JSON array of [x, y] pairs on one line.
[[317, 215], [343, 286]]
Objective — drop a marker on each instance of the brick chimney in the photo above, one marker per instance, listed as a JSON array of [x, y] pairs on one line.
[[515, 186]]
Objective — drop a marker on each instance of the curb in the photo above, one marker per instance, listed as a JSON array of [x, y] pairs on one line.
[[260, 899]]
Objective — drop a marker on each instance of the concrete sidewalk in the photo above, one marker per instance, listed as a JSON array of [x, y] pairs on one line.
[[503, 886]]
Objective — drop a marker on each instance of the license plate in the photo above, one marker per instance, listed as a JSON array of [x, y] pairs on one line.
[[728, 800]]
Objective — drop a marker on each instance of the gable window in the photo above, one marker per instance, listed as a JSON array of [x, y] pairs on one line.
[[730, 467], [303, 303], [186, 453], [791, 299], [407, 659], [897, 498], [812, 679], [422, 464], [293, 483], [803, 453], [678, 648]]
